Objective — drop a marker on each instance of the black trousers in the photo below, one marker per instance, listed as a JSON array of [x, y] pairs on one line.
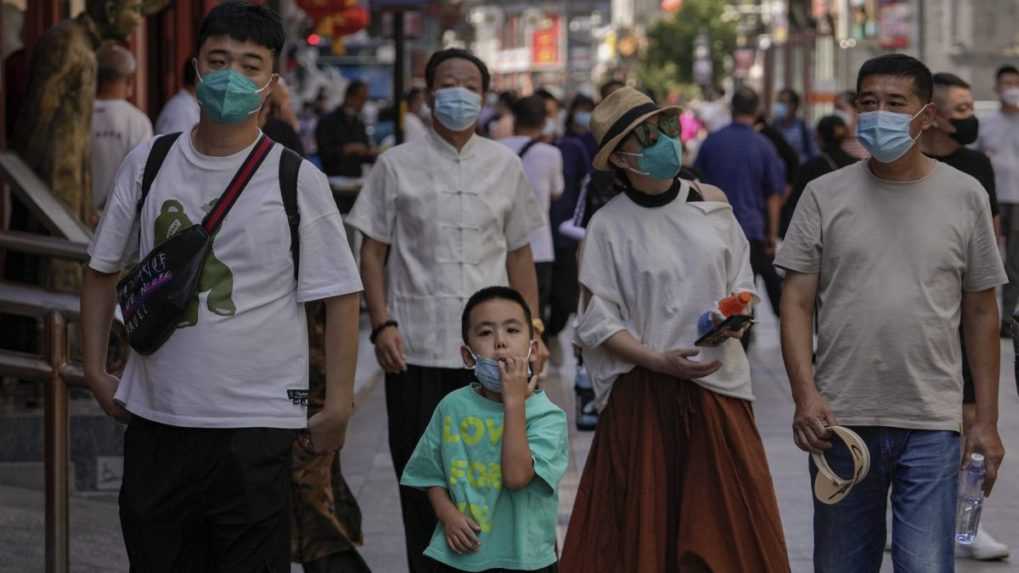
[[564, 291], [411, 398], [763, 265], [199, 500]]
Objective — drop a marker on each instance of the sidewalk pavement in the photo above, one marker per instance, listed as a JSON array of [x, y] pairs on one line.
[[96, 538]]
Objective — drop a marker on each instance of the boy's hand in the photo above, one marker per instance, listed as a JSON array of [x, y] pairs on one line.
[[461, 532], [515, 384]]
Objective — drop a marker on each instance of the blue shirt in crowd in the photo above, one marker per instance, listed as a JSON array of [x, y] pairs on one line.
[[797, 135], [745, 165]]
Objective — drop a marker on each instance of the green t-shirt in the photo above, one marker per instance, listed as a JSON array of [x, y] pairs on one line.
[[461, 450]]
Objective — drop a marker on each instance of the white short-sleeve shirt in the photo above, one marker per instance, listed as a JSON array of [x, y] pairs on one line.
[[543, 165], [246, 344], [450, 218], [117, 127], [653, 271], [180, 113]]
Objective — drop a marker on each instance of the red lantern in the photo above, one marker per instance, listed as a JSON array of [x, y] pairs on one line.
[[318, 10]]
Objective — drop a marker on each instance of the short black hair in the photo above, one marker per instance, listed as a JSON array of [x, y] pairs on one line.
[[945, 80], [529, 112], [1006, 69], [413, 93], [794, 98], [494, 293], [189, 75], [745, 102], [245, 22], [355, 87], [454, 53], [546, 95], [903, 66], [609, 87], [826, 127]]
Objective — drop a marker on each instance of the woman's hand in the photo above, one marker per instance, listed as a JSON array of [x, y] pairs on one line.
[[677, 363]]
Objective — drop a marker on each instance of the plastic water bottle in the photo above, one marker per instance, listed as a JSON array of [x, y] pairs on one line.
[[587, 414], [971, 500]]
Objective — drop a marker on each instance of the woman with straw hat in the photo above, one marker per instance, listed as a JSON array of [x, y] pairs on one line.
[[677, 478]]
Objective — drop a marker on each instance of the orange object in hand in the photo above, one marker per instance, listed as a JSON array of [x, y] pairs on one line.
[[735, 304]]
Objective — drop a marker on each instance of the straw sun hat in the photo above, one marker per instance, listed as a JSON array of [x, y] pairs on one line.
[[616, 116]]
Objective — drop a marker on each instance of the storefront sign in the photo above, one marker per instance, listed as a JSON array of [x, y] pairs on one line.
[[545, 42]]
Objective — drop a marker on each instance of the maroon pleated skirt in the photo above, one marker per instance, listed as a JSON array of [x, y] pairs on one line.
[[676, 480]]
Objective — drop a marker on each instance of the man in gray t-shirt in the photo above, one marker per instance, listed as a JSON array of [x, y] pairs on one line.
[[893, 253]]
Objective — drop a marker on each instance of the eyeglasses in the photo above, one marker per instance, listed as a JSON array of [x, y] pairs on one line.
[[666, 122]]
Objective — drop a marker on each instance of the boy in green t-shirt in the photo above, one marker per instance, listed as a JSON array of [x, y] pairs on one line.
[[494, 452]]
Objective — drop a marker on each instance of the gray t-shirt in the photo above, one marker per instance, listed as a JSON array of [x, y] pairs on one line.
[[893, 260]]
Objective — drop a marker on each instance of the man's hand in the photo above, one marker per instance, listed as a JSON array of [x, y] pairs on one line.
[[677, 363], [983, 438], [461, 531], [540, 357], [810, 423], [516, 385], [328, 430], [389, 350], [104, 387]]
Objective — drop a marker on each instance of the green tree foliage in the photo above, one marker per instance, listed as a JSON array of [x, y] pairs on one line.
[[668, 60]]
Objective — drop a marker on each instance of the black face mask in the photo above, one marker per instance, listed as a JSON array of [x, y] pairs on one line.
[[966, 130]]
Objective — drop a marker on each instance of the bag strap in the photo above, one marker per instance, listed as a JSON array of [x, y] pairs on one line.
[[290, 166], [226, 201], [157, 154], [527, 147]]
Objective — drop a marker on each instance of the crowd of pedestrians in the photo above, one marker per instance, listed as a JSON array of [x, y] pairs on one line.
[[499, 220]]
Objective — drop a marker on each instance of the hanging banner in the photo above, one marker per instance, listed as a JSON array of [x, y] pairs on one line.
[[545, 42], [895, 24]]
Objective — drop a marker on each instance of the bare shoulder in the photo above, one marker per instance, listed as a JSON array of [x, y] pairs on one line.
[[712, 193]]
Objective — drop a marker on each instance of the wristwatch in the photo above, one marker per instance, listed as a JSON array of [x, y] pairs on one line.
[[539, 326]]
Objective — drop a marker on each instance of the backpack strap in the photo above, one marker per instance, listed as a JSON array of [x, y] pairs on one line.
[[527, 147], [290, 166], [157, 154]]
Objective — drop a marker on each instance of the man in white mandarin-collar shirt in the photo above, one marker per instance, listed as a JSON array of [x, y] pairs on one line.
[[454, 213]]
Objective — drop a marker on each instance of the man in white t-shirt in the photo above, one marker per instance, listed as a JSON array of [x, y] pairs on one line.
[[117, 126], [543, 165], [999, 139], [414, 128], [181, 112], [214, 411]]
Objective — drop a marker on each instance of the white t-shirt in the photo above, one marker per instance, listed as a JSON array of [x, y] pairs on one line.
[[657, 294], [246, 345], [180, 113], [999, 139], [543, 165], [413, 128], [117, 127]]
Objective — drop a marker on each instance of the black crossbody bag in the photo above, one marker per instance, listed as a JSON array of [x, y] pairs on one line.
[[157, 291]]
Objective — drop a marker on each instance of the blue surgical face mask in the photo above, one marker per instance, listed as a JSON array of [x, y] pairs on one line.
[[457, 108], [779, 110], [228, 96], [662, 160], [487, 371], [582, 119], [885, 134]]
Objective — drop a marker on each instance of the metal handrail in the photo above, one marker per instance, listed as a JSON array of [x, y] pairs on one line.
[[54, 368]]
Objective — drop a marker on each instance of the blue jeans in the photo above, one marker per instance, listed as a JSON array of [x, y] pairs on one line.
[[922, 470]]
